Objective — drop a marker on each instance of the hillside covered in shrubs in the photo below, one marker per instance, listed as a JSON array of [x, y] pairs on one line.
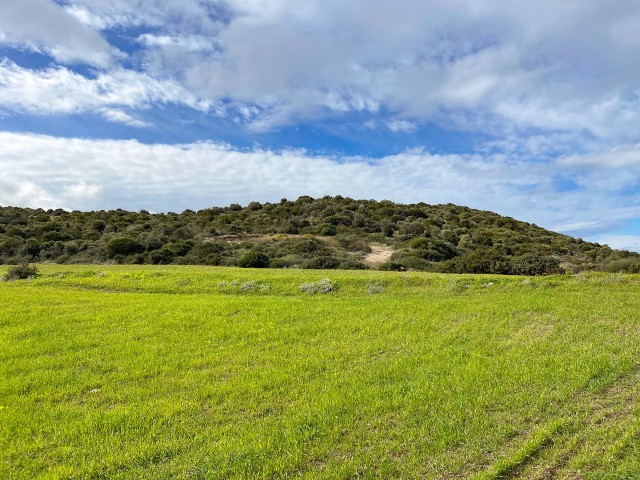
[[325, 233]]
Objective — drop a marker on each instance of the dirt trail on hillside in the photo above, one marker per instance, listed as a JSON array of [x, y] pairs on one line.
[[379, 254]]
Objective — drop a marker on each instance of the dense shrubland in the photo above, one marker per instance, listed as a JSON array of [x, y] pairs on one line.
[[325, 233]]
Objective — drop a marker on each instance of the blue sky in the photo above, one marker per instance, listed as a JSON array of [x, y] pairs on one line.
[[528, 109]]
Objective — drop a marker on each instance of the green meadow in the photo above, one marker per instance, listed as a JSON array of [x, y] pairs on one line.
[[216, 373]]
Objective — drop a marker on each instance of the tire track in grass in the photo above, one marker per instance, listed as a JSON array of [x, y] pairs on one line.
[[592, 431]]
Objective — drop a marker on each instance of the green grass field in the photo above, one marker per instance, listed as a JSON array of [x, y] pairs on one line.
[[196, 372]]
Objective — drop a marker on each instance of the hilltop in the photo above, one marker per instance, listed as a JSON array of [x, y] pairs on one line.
[[325, 233]]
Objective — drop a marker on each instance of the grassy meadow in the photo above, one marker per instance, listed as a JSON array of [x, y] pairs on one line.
[[216, 373]]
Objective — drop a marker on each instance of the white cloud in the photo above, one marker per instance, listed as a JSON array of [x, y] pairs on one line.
[[403, 126], [190, 43], [60, 90], [77, 173], [43, 24], [175, 15], [23, 193], [618, 157], [106, 18], [82, 191], [118, 116], [83, 195], [623, 242], [495, 66]]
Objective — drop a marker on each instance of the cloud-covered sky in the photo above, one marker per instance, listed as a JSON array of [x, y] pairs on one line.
[[529, 109]]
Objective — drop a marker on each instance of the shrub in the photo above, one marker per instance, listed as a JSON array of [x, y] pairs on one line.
[[323, 286], [31, 248], [353, 243], [323, 263], [254, 260], [532, 264], [163, 256], [300, 246], [392, 267], [123, 246], [624, 265], [328, 229], [352, 264], [21, 272], [213, 259], [281, 263]]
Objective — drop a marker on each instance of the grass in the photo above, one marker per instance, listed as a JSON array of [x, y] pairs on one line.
[[195, 372]]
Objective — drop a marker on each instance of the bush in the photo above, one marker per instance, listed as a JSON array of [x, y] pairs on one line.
[[328, 229], [163, 256], [21, 272], [623, 265], [353, 243], [532, 264], [323, 263], [392, 267], [254, 260], [213, 259], [300, 246], [352, 264], [123, 246], [281, 263], [323, 286]]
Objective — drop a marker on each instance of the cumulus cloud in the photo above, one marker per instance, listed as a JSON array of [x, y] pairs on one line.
[[83, 174], [501, 65], [20, 192], [60, 90], [44, 25], [497, 66]]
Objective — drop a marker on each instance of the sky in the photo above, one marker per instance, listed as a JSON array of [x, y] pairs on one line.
[[528, 109]]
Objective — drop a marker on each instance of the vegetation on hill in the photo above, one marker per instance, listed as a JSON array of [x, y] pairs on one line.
[[325, 233]]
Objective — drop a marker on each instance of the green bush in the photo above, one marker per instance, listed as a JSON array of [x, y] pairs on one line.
[[532, 264], [352, 264], [21, 272], [328, 229], [299, 246], [323, 263], [624, 265], [254, 260], [123, 246], [281, 263], [353, 243], [392, 267]]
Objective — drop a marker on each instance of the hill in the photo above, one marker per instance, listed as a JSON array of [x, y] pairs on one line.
[[325, 233]]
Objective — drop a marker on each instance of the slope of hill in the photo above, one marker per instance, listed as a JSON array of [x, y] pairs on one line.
[[325, 233]]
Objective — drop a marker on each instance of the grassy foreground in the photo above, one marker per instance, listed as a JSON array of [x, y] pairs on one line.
[[195, 372]]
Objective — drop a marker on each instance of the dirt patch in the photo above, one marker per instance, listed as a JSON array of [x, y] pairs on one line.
[[379, 255]]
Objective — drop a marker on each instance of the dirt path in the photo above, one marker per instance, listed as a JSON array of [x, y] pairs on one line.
[[379, 254]]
